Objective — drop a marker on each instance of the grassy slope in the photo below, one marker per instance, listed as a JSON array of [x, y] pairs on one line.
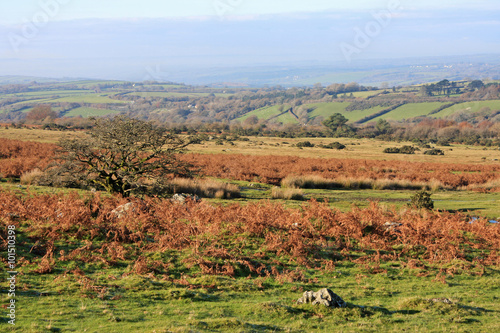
[[410, 111], [286, 118], [101, 99], [320, 110], [388, 302], [264, 113], [469, 107]]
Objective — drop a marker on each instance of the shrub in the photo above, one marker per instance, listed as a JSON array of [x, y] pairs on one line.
[[304, 144], [443, 142], [29, 177], [403, 150], [434, 152], [421, 199], [333, 145]]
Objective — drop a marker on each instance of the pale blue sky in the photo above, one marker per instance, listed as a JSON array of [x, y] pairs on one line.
[[126, 38], [16, 12]]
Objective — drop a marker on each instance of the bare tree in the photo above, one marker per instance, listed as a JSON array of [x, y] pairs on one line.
[[123, 155]]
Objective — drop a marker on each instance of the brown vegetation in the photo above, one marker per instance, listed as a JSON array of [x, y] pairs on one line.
[[273, 169], [18, 157], [206, 188], [259, 239]]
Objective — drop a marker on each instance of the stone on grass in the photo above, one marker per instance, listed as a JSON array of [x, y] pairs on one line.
[[324, 297], [181, 198], [121, 211]]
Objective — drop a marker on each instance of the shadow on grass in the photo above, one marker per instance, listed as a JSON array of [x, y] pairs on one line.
[[462, 210]]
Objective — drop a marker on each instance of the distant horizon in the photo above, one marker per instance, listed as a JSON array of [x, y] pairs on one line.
[[238, 77]]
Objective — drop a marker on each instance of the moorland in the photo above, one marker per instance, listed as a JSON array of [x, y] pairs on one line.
[[295, 189]]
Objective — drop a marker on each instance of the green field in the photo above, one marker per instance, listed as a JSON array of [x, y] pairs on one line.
[[98, 99], [72, 98], [319, 110], [88, 84], [469, 107], [408, 111], [327, 109], [365, 94], [286, 118], [265, 113], [175, 94], [50, 93], [39, 101]]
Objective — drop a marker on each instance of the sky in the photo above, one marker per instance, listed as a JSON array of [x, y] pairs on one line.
[[129, 39], [12, 12]]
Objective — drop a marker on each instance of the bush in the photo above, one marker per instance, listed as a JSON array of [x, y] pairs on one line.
[[333, 145], [443, 142], [30, 177], [304, 144], [421, 199], [434, 152], [403, 150]]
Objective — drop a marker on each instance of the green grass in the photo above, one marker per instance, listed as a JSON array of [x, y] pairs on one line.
[[101, 99], [88, 84], [265, 113], [409, 111], [80, 98], [394, 301], [365, 94], [287, 118], [38, 101], [474, 204], [390, 296], [170, 94], [327, 109], [50, 93], [469, 107]]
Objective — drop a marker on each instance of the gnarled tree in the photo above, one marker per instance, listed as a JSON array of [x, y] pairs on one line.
[[123, 155]]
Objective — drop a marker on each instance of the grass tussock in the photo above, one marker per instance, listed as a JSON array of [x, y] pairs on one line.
[[287, 194], [206, 188], [29, 177], [319, 182], [491, 186]]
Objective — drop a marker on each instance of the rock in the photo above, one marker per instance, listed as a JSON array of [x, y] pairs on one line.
[[181, 198], [324, 296], [440, 300], [392, 226], [121, 211]]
